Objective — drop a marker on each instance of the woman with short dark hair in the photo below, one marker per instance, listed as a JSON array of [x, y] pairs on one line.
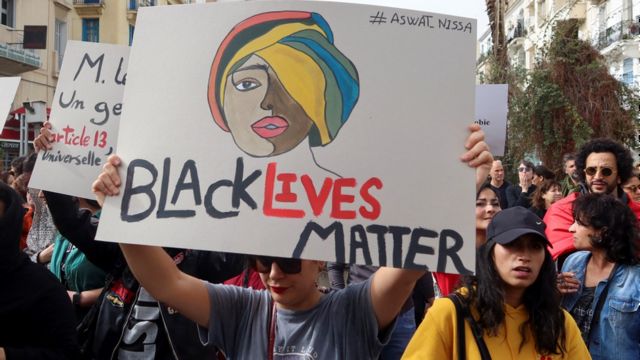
[[601, 282], [520, 194], [547, 193], [541, 173]]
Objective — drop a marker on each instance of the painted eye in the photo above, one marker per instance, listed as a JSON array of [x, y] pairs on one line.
[[247, 84]]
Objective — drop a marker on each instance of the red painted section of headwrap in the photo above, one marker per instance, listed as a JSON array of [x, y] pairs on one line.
[[252, 21]]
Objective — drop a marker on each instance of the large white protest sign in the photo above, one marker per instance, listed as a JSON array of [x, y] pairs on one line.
[[85, 116], [8, 88], [491, 113], [299, 129]]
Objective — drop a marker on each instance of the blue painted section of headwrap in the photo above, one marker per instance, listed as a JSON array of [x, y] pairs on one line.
[[324, 25], [349, 88]]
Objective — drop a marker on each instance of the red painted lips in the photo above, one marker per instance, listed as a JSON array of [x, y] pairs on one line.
[[269, 127], [278, 289]]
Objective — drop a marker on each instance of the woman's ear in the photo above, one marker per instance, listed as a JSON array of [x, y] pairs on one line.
[[596, 237], [602, 233]]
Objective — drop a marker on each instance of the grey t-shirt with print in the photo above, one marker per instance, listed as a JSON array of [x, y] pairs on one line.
[[341, 326]]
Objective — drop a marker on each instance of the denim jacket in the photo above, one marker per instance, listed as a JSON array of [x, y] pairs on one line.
[[617, 333]]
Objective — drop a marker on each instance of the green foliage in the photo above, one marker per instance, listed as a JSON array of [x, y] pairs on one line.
[[567, 99]]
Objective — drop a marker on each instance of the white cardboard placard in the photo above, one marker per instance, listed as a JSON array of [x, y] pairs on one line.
[[85, 115], [8, 88], [491, 113], [388, 188]]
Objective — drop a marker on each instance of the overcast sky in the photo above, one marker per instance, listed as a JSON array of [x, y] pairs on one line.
[[467, 8]]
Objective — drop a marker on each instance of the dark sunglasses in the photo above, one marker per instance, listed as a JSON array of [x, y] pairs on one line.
[[262, 264], [632, 188], [592, 170], [524, 169]]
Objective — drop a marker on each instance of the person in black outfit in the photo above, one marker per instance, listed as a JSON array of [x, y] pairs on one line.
[[37, 319], [119, 332], [498, 183], [520, 195], [126, 322], [423, 296]]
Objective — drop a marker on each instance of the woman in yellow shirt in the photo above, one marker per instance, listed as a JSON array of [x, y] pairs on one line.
[[513, 300]]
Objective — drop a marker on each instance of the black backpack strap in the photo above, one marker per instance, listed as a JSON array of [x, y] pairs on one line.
[[477, 334], [462, 309], [462, 355]]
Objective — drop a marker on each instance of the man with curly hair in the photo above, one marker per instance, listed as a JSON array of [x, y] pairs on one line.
[[602, 166]]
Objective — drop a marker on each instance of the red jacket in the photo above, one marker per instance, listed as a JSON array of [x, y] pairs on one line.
[[559, 218]]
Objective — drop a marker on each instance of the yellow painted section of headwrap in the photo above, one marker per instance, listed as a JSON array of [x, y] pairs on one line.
[[271, 37], [303, 79]]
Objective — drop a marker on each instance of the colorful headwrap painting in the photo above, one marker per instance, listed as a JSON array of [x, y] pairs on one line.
[[243, 144], [277, 78]]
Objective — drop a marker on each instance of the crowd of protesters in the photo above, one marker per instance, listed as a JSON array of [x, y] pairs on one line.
[[557, 277]]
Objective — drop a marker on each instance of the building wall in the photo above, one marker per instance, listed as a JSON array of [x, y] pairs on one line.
[[115, 18], [112, 16], [39, 85], [612, 26], [64, 21]]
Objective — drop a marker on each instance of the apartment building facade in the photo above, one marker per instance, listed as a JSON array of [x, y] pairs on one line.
[[108, 21], [38, 68], [611, 26]]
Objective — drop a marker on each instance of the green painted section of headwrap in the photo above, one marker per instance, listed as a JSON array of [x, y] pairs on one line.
[[330, 47], [332, 97]]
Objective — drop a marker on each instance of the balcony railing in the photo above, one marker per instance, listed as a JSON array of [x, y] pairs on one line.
[[517, 31], [135, 4], [14, 59], [88, 2], [89, 8], [620, 31]]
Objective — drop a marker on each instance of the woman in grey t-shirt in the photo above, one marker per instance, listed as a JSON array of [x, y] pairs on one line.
[[348, 324]]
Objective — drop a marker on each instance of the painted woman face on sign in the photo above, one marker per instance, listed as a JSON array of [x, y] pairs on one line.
[[277, 79], [263, 118]]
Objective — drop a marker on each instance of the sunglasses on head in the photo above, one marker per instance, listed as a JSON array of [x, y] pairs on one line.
[[523, 169], [592, 170], [262, 264]]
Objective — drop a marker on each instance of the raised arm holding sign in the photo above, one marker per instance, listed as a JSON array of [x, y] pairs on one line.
[[85, 116], [292, 287], [283, 134]]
